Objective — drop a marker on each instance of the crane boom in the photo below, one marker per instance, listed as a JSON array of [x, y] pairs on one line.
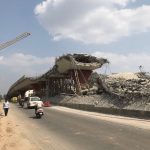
[[18, 38]]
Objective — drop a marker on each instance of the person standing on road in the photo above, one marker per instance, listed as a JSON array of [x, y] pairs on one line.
[[6, 107]]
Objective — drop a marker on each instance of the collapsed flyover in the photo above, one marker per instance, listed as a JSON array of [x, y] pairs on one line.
[[69, 75]]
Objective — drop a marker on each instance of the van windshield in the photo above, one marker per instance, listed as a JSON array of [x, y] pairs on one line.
[[35, 99]]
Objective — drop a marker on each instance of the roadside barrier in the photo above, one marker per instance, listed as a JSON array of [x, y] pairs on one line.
[[113, 111]]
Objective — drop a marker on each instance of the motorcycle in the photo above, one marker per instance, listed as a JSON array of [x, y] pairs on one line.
[[39, 112], [21, 103]]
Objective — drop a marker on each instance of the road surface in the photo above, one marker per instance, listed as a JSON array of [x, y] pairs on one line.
[[68, 129]]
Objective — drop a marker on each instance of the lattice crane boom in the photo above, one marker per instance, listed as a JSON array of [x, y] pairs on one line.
[[11, 42]]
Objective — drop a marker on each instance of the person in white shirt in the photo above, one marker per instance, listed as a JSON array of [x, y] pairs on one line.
[[6, 107], [38, 105]]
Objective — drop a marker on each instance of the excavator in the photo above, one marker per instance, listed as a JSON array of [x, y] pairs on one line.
[[13, 41]]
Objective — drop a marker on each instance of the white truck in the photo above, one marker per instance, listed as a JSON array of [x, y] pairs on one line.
[[33, 101]]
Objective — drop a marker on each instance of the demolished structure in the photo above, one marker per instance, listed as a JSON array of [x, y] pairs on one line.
[[71, 72], [69, 75], [72, 75]]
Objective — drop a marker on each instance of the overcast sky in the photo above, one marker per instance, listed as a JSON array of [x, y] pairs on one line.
[[118, 30]]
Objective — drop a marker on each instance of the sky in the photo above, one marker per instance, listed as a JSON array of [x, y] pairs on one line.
[[118, 30]]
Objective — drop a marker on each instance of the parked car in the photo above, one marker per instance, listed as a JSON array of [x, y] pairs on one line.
[[33, 101], [46, 103]]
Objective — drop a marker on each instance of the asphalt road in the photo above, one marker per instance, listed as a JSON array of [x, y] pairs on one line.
[[67, 130]]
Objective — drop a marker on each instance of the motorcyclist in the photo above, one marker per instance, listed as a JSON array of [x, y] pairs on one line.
[[38, 106], [22, 102]]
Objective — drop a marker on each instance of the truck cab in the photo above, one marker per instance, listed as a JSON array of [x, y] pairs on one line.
[[33, 101]]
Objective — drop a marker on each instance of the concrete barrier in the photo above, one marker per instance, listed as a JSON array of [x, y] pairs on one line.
[[113, 111]]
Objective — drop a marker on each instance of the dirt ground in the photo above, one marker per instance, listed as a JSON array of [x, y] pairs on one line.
[[12, 134]]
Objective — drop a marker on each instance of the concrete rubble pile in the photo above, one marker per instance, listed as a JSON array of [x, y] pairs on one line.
[[131, 86]]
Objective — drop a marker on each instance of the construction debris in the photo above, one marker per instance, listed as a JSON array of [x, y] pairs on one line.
[[69, 75], [131, 86], [79, 62]]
